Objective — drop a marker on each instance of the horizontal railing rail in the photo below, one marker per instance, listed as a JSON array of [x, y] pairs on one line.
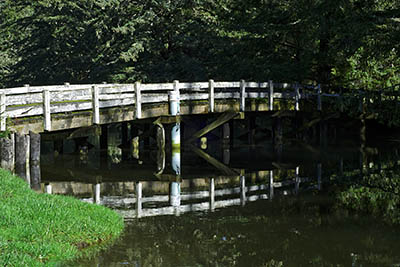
[[28, 101]]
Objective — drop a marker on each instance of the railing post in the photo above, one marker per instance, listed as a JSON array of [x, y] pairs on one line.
[[242, 95], [46, 110], [242, 190], [95, 104], [211, 94], [271, 184], [174, 100], [271, 95], [212, 194], [138, 103], [296, 96], [297, 179], [138, 188], [3, 107], [319, 103], [96, 193]]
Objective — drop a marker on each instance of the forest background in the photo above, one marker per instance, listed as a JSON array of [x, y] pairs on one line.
[[352, 44]]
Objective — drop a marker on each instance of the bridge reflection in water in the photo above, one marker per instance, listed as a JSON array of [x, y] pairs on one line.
[[172, 184]]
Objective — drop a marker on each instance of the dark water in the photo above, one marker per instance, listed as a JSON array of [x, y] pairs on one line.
[[247, 206]]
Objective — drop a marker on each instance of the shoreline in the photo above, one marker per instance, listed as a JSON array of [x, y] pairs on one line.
[[42, 230]]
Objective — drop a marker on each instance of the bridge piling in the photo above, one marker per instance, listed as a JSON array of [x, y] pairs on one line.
[[34, 161], [7, 146], [22, 156]]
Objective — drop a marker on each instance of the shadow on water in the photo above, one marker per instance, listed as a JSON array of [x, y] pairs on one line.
[[333, 205]]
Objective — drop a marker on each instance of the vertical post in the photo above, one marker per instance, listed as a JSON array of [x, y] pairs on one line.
[[297, 96], [3, 106], [95, 104], [175, 194], [22, 156], [46, 110], [297, 179], [138, 103], [7, 152], [271, 95], [242, 190], [96, 193], [319, 102], [242, 95], [34, 161], [174, 107], [174, 99], [48, 188], [211, 95], [271, 184], [212, 194], [138, 199]]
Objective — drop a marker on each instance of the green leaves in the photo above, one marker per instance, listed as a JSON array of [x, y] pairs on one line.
[[341, 43]]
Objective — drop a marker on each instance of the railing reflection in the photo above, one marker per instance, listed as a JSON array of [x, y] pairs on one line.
[[177, 202]]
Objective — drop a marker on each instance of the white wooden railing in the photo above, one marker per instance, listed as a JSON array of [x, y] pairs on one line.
[[28, 101]]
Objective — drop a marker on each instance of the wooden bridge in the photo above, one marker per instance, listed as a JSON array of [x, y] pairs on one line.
[[31, 111], [52, 108]]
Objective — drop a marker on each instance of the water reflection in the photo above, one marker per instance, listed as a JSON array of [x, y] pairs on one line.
[[243, 206]]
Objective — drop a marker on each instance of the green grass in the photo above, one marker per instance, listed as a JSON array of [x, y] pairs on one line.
[[46, 230]]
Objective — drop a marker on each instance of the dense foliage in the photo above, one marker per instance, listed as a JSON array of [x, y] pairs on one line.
[[342, 43]]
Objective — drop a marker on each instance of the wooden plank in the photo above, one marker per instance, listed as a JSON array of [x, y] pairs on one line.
[[226, 84], [211, 95], [195, 85], [95, 105], [116, 89], [82, 94], [3, 115], [117, 96], [157, 86], [154, 98], [116, 102], [220, 95], [138, 101], [196, 96], [257, 94], [25, 111], [24, 99], [46, 110]]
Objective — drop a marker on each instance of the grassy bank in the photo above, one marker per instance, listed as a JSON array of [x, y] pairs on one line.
[[43, 230]]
